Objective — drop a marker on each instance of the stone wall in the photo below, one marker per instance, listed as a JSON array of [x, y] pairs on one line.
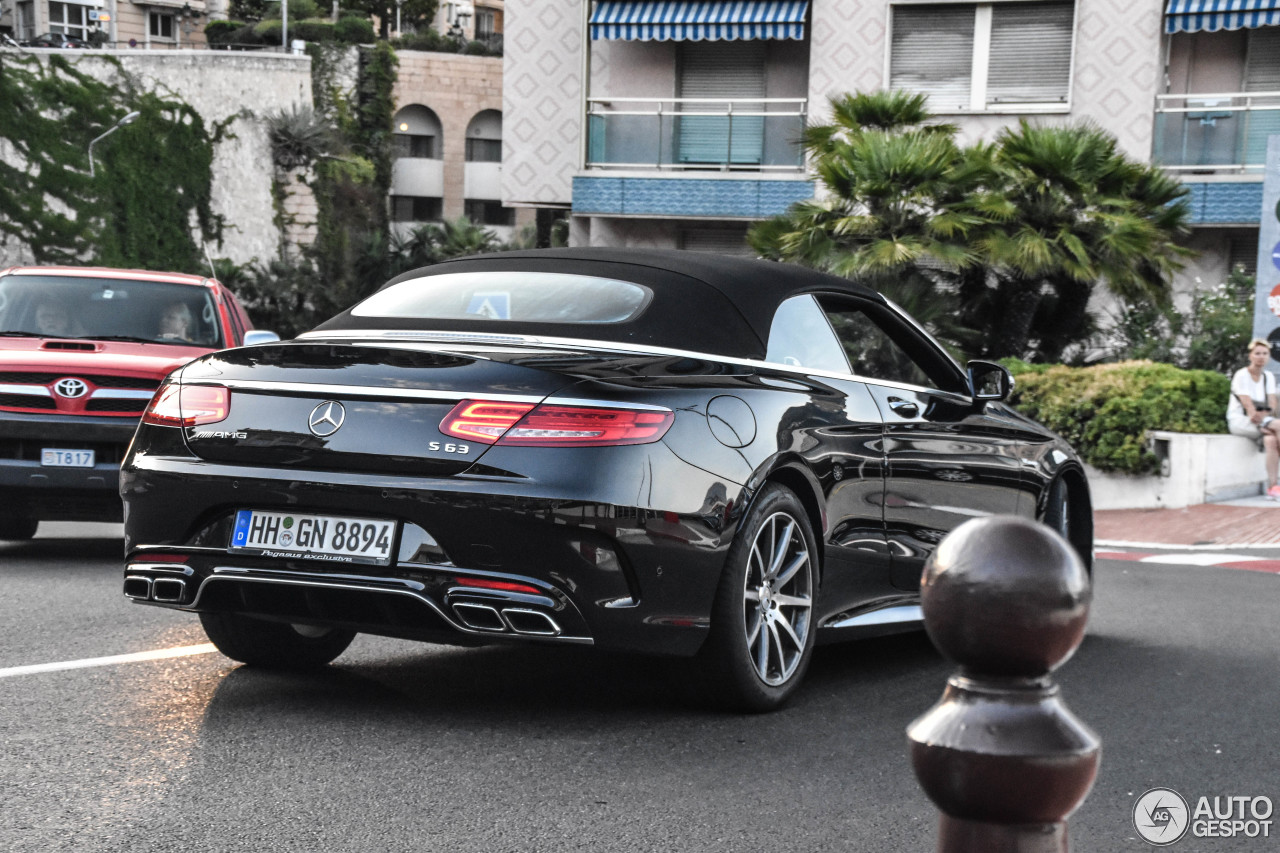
[[243, 87]]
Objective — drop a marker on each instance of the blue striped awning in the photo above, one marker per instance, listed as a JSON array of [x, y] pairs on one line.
[[1193, 16], [698, 20]]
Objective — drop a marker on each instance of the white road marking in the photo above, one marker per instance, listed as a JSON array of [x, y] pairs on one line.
[[158, 654], [1197, 559]]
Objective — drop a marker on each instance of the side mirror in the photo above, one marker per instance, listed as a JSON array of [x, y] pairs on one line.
[[989, 381], [259, 336]]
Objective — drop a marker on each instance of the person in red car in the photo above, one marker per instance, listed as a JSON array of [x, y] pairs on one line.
[[176, 322], [53, 319]]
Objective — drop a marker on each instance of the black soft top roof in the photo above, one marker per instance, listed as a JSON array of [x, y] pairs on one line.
[[702, 302]]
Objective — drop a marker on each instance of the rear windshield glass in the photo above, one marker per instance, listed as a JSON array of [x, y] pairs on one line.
[[523, 297], [51, 306]]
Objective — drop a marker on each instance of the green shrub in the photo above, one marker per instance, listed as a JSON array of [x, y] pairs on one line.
[[353, 29], [268, 32], [429, 40], [312, 29], [220, 32], [1105, 411]]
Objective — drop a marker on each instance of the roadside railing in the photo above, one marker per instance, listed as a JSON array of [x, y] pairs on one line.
[[751, 134], [1224, 132]]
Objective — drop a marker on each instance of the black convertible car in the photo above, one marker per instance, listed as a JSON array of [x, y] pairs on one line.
[[660, 452]]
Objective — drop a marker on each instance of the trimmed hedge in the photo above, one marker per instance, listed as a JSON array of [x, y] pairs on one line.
[[1105, 411], [353, 29]]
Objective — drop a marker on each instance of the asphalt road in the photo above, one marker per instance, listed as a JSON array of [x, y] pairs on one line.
[[400, 746]]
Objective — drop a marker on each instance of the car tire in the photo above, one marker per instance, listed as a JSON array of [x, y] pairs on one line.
[[18, 527], [762, 621], [1057, 511], [277, 645]]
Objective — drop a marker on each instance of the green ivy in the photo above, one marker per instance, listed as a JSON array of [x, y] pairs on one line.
[[152, 177]]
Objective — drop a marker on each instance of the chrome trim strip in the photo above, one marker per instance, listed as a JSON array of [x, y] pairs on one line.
[[120, 394], [362, 390], [884, 616], [231, 573], [645, 349], [418, 394], [28, 390]]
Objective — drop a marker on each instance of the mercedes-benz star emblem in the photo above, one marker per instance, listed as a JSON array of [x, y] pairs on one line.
[[326, 418], [70, 388]]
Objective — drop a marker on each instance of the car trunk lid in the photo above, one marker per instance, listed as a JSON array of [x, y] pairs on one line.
[[354, 407]]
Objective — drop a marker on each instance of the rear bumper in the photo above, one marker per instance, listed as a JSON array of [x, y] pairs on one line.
[[83, 494], [636, 578]]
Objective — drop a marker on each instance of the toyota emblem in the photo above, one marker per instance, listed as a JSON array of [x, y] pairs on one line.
[[326, 418], [70, 388]]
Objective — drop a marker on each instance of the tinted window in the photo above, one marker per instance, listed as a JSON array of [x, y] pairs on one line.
[[524, 297], [801, 337], [880, 345]]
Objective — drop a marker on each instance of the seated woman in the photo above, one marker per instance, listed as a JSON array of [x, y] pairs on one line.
[[1251, 412], [176, 322]]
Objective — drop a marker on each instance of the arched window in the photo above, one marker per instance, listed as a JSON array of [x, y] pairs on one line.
[[417, 133], [484, 137]]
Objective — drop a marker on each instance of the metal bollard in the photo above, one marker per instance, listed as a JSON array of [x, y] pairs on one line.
[[1000, 755]]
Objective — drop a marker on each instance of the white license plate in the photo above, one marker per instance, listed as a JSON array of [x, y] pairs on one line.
[[336, 538], [52, 457]]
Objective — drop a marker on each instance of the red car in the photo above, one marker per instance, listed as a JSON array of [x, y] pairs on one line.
[[82, 351]]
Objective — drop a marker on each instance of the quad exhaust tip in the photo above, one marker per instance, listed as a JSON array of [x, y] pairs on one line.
[[519, 620], [163, 590], [168, 590]]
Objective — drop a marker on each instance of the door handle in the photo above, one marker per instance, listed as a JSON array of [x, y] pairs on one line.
[[905, 408]]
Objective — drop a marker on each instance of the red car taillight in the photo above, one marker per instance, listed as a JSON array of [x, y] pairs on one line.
[[188, 405], [553, 425]]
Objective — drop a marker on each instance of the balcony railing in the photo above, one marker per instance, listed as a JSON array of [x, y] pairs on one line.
[[761, 134], [1215, 133]]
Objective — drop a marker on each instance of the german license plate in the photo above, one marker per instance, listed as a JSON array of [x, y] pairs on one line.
[[337, 538], [52, 457]]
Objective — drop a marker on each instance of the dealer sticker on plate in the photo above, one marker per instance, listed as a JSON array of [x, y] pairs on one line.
[[335, 538]]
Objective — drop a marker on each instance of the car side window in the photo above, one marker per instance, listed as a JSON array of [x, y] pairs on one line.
[[800, 336], [879, 346]]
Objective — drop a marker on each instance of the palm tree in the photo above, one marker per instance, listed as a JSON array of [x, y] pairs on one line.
[[892, 210], [995, 247], [1066, 209]]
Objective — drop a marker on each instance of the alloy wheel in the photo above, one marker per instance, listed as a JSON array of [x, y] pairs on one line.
[[778, 599]]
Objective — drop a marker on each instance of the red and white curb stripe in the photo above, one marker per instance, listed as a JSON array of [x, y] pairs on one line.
[[1197, 558]]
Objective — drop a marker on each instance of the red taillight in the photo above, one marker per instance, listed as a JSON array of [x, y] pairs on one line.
[[550, 426], [481, 421], [188, 405], [554, 426], [505, 586]]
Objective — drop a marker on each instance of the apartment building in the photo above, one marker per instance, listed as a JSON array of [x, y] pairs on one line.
[[145, 24], [672, 124], [448, 130]]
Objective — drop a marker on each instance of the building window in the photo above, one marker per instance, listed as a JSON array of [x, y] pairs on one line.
[[415, 145], [161, 25], [734, 71], [484, 150], [26, 28], [408, 208], [983, 56], [489, 212], [69, 19], [485, 20]]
